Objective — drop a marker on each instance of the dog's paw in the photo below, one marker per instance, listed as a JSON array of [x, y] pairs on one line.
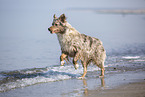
[[101, 76], [62, 63], [81, 77], [76, 66]]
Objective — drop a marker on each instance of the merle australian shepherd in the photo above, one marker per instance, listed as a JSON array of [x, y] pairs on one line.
[[79, 46]]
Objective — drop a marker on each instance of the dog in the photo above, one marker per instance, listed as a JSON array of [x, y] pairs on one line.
[[78, 46]]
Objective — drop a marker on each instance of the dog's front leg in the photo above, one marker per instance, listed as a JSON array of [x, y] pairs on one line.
[[62, 57], [102, 72], [75, 59], [85, 71]]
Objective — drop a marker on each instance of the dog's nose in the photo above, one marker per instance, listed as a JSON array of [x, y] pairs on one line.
[[48, 29]]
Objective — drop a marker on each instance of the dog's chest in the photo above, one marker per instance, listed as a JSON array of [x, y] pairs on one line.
[[65, 41]]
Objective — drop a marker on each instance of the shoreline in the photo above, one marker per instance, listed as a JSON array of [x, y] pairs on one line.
[[122, 80], [111, 11], [115, 84]]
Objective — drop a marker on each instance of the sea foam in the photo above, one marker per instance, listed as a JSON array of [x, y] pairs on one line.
[[27, 77]]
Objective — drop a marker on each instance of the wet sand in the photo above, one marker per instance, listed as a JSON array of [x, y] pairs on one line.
[[129, 82], [130, 90]]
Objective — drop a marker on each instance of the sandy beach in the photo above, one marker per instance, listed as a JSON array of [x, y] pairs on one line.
[[136, 89]]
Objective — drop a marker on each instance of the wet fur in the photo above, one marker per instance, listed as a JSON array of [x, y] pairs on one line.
[[79, 46]]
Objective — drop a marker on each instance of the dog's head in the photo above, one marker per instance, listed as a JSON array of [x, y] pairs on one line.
[[58, 24]]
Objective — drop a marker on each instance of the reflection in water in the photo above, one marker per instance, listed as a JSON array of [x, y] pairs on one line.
[[102, 82], [86, 88], [84, 91]]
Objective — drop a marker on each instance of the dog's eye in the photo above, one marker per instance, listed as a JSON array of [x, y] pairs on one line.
[[55, 24], [61, 24]]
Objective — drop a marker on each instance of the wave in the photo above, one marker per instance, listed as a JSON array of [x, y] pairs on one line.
[[131, 57], [134, 58], [27, 77]]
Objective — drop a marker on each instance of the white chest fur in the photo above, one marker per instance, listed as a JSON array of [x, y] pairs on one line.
[[67, 39]]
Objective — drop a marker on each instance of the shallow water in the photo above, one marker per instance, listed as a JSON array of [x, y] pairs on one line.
[[29, 54], [27, 77]]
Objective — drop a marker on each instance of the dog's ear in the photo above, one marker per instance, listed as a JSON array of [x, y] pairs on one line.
[[62, 18], [54, 16]]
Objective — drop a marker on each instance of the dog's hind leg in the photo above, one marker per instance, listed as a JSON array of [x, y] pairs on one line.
[[102, 70], [62, 57]]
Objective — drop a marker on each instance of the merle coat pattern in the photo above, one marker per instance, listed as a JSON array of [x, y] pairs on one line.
[[79, 46]]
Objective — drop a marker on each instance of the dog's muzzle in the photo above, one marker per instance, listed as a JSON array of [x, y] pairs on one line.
[[50, 30]]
